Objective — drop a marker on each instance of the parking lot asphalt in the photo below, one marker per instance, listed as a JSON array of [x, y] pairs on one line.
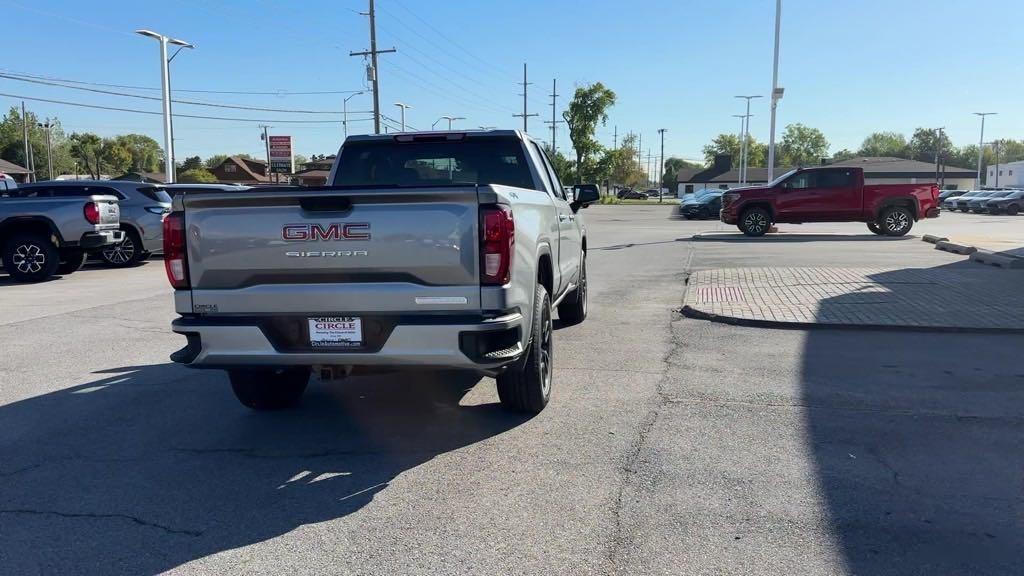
[[671, 445]]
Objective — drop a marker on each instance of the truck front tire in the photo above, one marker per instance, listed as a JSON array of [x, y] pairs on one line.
[[755, 221], [30, 257], [526, 385], [573, 309], [269, 389], [896, 221]]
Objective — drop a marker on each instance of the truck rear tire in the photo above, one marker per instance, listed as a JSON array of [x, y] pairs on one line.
[[526, 386], [896, 221], [268, 388], [875, 229], [755, 221], [573, 309], [72, 260], [30, 257], [125, 253]]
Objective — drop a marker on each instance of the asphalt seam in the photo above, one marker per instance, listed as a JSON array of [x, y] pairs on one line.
[[135, 519]]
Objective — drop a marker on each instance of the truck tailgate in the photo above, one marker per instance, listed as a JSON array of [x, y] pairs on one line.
[[333, 250]]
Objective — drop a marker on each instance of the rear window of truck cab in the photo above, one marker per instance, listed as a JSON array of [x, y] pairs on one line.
[[390, 163]]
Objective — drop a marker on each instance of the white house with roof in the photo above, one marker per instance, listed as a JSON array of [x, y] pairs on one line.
[[1008, 175]]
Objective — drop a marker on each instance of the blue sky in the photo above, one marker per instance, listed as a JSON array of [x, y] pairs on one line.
[[848, 67]]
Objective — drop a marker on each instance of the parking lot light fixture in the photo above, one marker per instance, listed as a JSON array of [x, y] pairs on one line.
[[776, 92], [165, 81], [981, 145], [745, 134]]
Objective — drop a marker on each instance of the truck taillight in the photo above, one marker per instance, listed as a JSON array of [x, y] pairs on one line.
[[497, 236], [91, 212], [175, 256]]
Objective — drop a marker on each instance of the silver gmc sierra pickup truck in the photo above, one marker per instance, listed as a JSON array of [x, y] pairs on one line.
[[439, 249], [46, 230]]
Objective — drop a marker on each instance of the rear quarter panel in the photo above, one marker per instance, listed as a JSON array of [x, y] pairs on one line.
[[878, 196], [65, 213]]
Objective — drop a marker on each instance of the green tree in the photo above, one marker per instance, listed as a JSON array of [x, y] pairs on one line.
[[563, 167], [589, 106], [299, 160], [215, 160], [723, 144], [925, 142], [672, 167], [117, 158], [844, 154], [620, 164], [146, 153], [12, 144], [802, 146], [87, 148], [191, 163], [196, 176], [892, 144]]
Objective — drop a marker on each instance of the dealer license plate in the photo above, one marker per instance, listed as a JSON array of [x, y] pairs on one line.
[[335, 332]]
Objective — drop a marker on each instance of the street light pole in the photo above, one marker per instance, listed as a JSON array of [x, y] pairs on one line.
[[344, 112], [776, 92], [981, 144], [744, 161], [165, 82], [49, 155], [661, 164], [403, 107]]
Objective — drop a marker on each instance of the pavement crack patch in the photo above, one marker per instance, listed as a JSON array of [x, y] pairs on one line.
[[130, 518]]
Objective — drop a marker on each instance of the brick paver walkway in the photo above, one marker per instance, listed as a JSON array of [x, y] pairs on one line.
[[975, 299]]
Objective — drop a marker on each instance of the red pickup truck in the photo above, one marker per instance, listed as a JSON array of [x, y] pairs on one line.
[[830, 194]]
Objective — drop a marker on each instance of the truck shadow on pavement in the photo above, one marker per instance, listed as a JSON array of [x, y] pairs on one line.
[[150, 467], [918, 441], [784, 237]]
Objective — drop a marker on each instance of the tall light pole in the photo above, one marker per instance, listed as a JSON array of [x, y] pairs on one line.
[[776, 92], [403, 107], [49, 156], [344, 112], [165, 81], [743, 139], [981, 144], [661, 164], [450, 119]]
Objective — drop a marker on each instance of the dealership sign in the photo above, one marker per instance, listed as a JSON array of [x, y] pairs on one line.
[[281, 155]]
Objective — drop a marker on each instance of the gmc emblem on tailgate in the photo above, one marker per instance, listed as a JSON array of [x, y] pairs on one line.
[[335, 231]]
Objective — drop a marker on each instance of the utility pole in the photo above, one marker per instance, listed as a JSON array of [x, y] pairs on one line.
[[981, 142], [938, 150], [648, 175], [266, 141], [28, 151], [49, 157], [615, 139], [776, 92], [372, 71], [661, 164], [524, 115], [554, 119], [995, 145], [744, 161], [639, 154]]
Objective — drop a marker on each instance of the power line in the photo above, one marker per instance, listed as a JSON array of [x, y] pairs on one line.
[[131, 87], [189, 102], [135, 111]]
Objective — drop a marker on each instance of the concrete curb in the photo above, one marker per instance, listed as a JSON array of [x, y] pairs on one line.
[[691, 312], [934, 239], [955, 248], [997, 259]]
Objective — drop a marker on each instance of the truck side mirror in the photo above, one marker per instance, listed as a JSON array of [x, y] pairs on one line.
[[583, 197]]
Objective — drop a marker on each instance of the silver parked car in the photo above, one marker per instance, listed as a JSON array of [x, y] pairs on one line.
[[142, 212]]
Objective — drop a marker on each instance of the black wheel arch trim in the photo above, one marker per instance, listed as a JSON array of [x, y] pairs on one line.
[[909, 202], [15, 221]]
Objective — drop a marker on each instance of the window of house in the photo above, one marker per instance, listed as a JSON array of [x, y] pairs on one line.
[[230, 167], [1000, 172], [1011, 172], [689, 188]]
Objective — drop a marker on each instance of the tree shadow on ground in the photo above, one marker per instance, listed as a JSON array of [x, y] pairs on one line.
[[918, 440], [154, 466]]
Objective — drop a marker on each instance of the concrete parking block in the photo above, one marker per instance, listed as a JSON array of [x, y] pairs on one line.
[[997, 259], [955, 248], [932, 239]]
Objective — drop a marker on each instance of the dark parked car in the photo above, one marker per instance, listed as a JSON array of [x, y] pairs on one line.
[[630, 194], [1010, 204], [963, 202], [978, 205], [702, 207]]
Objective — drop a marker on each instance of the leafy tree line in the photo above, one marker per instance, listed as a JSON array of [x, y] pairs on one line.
[[91, 155]]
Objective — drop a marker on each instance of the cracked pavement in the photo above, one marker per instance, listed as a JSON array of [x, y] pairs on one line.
[[671, 446]]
